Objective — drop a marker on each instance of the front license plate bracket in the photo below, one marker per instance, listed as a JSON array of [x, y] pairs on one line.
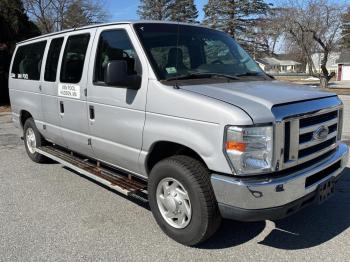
[[326, 190]]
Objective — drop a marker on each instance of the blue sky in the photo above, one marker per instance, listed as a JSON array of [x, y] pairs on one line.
[[126, 9]]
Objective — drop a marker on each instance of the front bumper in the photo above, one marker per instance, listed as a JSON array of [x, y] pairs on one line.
[[254, 199]]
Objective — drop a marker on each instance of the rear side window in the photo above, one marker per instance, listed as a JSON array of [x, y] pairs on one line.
[[28, 60], [52, 59], [114, 45], [73, 58]]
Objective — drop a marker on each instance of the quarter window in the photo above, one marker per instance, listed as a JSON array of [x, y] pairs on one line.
[[73, 58], [114, 45], [52, 59], [28, 60]]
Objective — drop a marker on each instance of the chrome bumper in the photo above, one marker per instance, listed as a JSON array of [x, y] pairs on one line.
[[258, 194]]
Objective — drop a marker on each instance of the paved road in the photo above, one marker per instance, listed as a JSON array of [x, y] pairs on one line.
[[50, 213]]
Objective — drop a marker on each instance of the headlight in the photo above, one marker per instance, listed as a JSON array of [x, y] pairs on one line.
[[249, 149]]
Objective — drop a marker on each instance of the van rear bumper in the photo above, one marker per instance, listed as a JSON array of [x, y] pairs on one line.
[[255, 199]]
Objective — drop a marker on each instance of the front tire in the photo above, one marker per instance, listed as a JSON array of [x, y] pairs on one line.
[[182, 200], [32, 140]]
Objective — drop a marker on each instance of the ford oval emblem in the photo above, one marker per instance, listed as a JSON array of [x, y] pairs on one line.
[[321, 133]]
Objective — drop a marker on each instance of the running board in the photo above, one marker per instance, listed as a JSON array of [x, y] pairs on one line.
[[118, 181]]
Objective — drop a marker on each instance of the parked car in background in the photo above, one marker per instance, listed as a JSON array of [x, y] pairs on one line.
[[180, 112]]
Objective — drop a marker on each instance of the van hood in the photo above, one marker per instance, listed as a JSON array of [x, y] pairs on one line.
[[257, 98]]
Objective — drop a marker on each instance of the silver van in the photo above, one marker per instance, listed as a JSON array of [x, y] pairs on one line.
[[181, 113]]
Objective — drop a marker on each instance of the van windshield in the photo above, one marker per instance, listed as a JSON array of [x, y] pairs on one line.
[[192, 52]]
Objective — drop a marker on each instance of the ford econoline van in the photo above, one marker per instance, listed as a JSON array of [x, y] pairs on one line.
[[181, 113]]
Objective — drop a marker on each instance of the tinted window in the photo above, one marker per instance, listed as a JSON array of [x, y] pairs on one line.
[[52, 59], [73, 58], [216, 51], [181, 50], [165, 57], [28, 60], [114, 45]]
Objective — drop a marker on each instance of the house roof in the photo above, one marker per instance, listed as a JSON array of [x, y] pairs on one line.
[[268, 61], [276, 62], [289, 62], [344, 57]]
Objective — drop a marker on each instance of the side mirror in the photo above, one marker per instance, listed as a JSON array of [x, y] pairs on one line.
[[116, 74]]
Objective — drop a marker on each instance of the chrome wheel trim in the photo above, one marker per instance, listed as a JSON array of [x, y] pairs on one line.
[[174, 203], [31, 140]]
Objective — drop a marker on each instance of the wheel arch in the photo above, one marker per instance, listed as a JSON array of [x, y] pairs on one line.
[[164, 149], [23, 116]]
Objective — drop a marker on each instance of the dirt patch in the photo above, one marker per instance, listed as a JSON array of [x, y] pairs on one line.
[[4, 109], [339, 91]]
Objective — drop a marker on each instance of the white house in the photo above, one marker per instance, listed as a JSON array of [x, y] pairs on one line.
[[275, 66], [344, 65]]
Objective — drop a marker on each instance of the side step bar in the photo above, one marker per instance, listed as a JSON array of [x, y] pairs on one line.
[[118, 181]]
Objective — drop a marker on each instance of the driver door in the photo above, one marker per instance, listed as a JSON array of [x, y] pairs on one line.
[[116, 113]]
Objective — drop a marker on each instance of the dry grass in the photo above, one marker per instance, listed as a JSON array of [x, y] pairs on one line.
[[302, 80]]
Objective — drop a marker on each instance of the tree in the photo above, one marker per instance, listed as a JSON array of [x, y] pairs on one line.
[[154, 9], [298, 40], [346, 29], [238, 18], [268, 33], [183, 11], [317, 22], [14, 27], [80, 13], [55, 15]]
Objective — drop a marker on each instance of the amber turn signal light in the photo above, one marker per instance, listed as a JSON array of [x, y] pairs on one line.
[[233, 145]]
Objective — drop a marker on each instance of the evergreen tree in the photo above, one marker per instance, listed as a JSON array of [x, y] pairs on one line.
[[14, 27], [154, 9], [237, 18], [14, 23], [75, 16], [346, 29], [183, 11]]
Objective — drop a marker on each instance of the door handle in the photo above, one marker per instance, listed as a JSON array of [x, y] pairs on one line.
[[92, 112], [61, 107]]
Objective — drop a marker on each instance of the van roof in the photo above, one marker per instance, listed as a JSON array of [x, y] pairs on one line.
[[107, 24]]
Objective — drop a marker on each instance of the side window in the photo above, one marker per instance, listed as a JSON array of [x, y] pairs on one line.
[[28, 60], [114, 45], [73, 58], [52, 59]]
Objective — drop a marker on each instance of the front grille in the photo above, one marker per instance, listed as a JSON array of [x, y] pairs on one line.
[[313, 120], [321, 146], [309, 136]]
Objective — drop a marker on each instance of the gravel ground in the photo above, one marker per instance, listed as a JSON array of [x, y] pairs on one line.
[[48, 213]]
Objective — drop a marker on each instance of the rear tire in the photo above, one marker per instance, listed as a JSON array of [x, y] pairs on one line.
[[182, 200], [32, 140]]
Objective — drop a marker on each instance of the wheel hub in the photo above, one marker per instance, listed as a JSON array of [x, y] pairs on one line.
[[31, 140], [174, 203]]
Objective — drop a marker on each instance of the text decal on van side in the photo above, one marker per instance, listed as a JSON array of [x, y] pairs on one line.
[[69, 90]]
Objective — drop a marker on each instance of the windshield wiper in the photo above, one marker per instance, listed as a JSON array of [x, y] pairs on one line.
[[250, 74], [202, 75]]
